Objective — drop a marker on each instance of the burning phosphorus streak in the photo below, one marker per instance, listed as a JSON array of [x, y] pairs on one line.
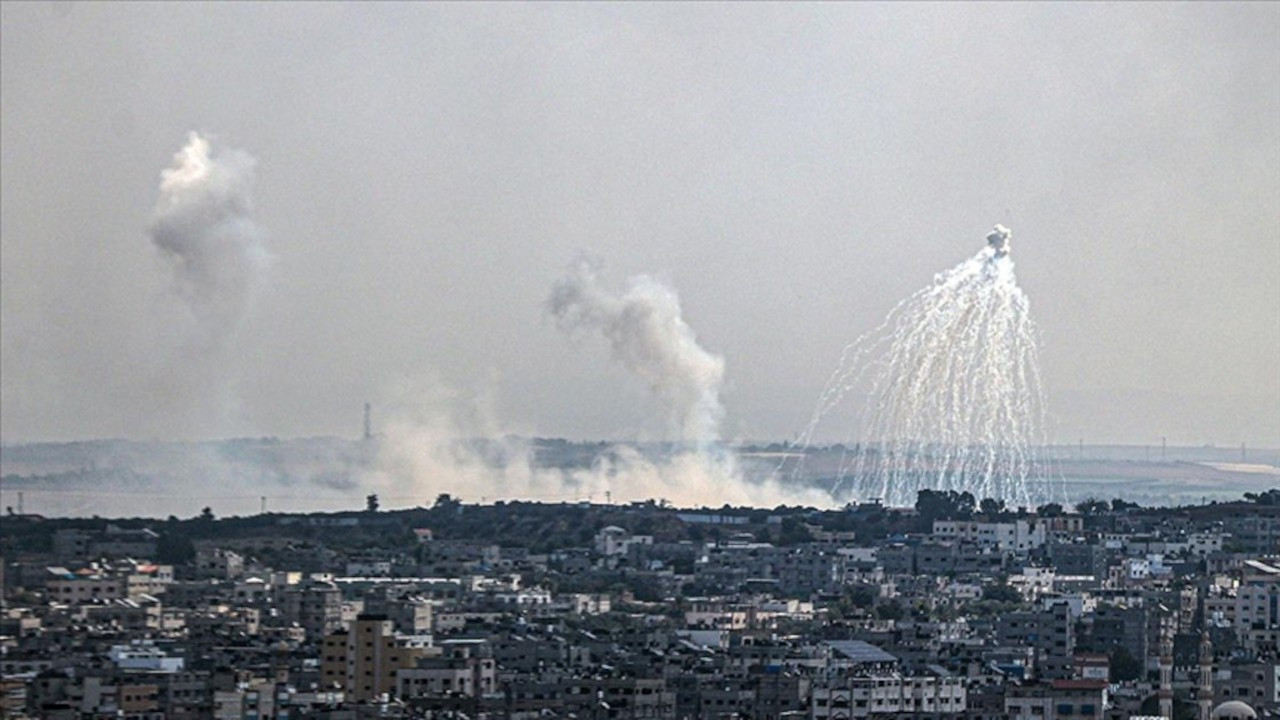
[[953, 392]]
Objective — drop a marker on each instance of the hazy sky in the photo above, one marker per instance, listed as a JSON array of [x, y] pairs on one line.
[[426, 172]]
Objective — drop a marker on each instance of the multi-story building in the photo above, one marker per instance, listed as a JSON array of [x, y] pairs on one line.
[[1257, 604], [1254, 533], [1064, 699], [1115, 626], [74, 589], [1051, 632], [1257, 684], [463, 669], [218, 563], [618, 698], [887, 695], [315, 606], [364, 659], [1015, 536]]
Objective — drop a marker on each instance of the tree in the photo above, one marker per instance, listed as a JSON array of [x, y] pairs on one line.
[[794, 532], [891, 610], [371, 503], [861, 596], [991, 506], [941, 504], [1092, 506], [1270, 497], [445, 501], [999, 592], [206, 515], [174, 549], [1119, 505], [1049, 510], [1124, 666]]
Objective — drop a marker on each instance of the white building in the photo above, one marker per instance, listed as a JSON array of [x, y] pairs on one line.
[[1017, 536], [145, 657], [614, 541], [885, 695]]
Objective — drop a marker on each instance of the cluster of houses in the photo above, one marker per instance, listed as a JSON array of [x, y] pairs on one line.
[[1028, 617]]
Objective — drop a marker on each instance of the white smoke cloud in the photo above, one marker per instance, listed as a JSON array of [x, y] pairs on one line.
[[202, 223], [443, 444], [648, 335], [203, 227]]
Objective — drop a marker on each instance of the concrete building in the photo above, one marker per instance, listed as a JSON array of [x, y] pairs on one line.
[[463, 669], [364, 659], [887, 695], [75, 589], [315, 606], [1015, 536], [1051, 632], [1057, 700]]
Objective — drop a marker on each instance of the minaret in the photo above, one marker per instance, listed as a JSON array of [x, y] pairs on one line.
[[1204, 696], [1166, 671]]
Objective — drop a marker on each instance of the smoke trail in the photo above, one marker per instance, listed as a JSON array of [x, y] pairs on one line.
[[648, 335], [202, 223]]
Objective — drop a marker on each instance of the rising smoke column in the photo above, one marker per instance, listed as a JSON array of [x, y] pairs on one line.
[[202, 223], [435, 449], [648, 335], [953, 395]]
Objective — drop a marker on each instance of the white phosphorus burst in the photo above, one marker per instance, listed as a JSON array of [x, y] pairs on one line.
[[954, 399]]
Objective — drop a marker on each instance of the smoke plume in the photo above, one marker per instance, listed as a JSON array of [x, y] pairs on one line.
[[436, 449], [648, 335], [202, 223]]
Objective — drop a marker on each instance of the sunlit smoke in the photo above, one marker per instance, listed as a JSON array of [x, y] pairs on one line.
[[203, 224], [953, 397], [646, 330]]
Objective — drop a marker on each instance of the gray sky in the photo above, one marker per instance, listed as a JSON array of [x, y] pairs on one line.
[[425, 172]]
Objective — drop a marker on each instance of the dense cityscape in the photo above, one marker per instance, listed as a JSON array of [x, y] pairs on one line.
[[951, 609], [608, 361]]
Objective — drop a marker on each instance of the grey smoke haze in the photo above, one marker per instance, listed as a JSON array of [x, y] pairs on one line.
[[202, 224], [794, 169], [647, 334], [429, 448], [203, 228]]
